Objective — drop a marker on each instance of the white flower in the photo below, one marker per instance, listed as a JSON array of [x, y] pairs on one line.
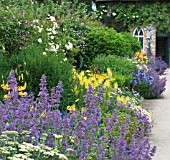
[[44, 53], [69, 45], [114, 14], [64, 29], [55, 25], [53, 49], [65, 59], [94, 8], [57, 136], [35, 21], [62, 156], [40, 30], [39, 40], [49, 29], [125, 15], [54, 32], [19, 23], [52, 18], [133, 16], [57, 46], [52, 37]]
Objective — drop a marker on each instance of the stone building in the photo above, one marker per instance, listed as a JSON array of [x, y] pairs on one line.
[[157, 44]]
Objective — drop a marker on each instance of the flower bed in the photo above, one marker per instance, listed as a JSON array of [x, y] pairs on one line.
[[90, 133], [92, 114]]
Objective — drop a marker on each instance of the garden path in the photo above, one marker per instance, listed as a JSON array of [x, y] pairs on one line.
[[160, 109]]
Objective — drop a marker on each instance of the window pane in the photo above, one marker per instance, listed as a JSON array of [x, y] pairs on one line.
[[136, 32], [141, 33], [141, 41]]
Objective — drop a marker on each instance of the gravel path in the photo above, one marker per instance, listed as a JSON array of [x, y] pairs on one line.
[[160, 109]]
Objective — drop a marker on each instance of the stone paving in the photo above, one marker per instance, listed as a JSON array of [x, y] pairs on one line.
[[160, 109]]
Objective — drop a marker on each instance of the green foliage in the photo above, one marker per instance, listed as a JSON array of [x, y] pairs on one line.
[[135, 44], [106, 41], [15, 28], [121, 68], [73, 22], [36, 64], [124, 15], [22, 30]]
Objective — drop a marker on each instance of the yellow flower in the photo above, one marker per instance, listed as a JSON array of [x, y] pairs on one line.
[[118, 98], [76, 89], [4, 11], [22, 93], [106, 84], [121, 99], [88, 71], [86, 82], [100, 79], [81, 82], [116, 85], [85, 118], [43, 113], [127, 98], [22, 77], [109, 72], [72, 139], [6, 96], [71, 108], [94, 84], [21, 88], [83, 110], [76, 100], [5, 87], [80, 76], [73, 70], [108, 92], [137, 53], [19, 77], [31, 108]]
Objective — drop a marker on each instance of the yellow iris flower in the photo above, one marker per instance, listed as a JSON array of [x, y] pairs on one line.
[[71, 108]]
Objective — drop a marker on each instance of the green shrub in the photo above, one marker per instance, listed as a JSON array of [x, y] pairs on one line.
[[37, 22], [106, 41], [32, 61], [134, 43], [16, 26], [121, 68]]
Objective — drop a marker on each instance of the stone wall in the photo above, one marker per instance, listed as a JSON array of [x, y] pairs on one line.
[[149, 43]]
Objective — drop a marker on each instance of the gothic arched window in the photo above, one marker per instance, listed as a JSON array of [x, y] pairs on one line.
[[138, 33]]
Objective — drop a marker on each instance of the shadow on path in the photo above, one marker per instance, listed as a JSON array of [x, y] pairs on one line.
[[160, 109]]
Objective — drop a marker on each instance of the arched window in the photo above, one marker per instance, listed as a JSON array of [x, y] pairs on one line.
[[138, 32]]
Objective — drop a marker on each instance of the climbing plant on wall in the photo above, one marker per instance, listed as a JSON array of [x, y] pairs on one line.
[[124, 15]]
